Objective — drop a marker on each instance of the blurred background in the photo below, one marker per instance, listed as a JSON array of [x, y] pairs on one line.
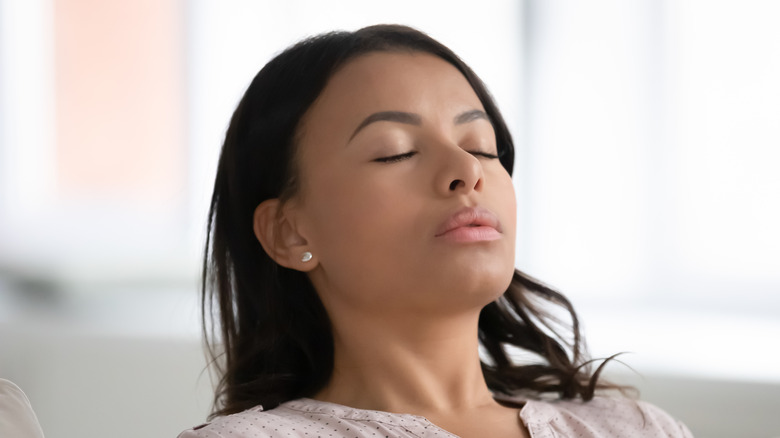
[[648, 149]]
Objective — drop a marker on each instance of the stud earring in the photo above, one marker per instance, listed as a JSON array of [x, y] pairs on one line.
[[306, 256]]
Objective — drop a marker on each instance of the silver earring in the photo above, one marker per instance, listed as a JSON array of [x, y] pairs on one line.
[[306, 256]]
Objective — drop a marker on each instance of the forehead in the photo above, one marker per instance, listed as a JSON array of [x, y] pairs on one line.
[[390, 81]]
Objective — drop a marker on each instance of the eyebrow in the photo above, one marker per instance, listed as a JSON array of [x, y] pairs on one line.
[[470, 116], [415, 119], [389, 116]]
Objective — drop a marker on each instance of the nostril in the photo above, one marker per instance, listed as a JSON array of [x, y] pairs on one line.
[[455, 183]]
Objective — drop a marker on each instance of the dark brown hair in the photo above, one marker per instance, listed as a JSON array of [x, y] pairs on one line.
[[267, 332]]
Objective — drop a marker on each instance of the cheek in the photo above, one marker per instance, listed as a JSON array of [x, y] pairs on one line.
[[364, 235], [505, 203], [354, 214], [511, 206], [502, 194]]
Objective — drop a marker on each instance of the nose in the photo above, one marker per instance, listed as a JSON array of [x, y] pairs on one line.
[[460, 172]]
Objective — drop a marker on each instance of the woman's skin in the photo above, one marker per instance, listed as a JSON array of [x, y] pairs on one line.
[[410, 218]]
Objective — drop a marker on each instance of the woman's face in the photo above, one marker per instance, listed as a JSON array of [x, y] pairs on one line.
[[402, 200]]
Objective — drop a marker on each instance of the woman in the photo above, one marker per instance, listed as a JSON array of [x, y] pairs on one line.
[[361, 254]]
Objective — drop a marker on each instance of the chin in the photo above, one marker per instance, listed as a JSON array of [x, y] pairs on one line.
[[502, 282], [481, 286]]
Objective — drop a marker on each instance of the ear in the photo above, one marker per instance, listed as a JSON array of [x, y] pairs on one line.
[[278, 234]]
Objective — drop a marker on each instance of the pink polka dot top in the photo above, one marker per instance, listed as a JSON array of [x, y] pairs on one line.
[[306, 418]]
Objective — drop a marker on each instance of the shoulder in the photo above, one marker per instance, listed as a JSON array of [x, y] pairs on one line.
[[249, 423], [602, 417], [306, 418]]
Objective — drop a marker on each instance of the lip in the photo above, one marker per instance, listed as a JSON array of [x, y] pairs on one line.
[[471, 224]]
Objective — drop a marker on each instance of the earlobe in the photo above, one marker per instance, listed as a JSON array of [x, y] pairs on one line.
[[279, 236]]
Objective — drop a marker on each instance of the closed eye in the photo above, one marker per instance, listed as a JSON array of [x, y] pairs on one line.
[[483, 154], [395, 158]]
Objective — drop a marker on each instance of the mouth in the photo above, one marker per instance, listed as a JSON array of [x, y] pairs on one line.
[[471, 224]]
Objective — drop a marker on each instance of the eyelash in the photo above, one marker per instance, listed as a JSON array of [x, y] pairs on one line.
[[404, 156], [396, 158], [485, 155]]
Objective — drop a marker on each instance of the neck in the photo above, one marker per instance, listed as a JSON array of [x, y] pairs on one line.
[[426, 365]]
